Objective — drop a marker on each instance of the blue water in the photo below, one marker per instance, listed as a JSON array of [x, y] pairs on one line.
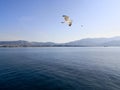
[[70, 68]]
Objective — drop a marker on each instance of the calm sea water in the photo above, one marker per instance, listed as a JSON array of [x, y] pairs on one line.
[[70, 68]]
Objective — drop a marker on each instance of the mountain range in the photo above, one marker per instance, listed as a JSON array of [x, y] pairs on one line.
[[86, 42]]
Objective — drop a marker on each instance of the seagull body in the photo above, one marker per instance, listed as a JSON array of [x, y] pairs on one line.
[[67, 20]]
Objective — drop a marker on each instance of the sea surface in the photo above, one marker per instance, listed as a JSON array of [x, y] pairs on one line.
[[60, 68]]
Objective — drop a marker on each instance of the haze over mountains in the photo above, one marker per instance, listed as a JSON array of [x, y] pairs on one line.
[[114, 41], [87, 42]]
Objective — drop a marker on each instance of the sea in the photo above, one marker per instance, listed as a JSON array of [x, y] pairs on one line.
[[60, 68]]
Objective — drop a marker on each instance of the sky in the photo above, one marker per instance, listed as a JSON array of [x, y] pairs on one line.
[[40, 20]]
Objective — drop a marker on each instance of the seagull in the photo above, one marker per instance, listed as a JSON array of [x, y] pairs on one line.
[[67, 20]]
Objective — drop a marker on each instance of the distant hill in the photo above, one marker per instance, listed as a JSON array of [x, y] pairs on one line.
[[22, 43], [114, 41], [87, 42]]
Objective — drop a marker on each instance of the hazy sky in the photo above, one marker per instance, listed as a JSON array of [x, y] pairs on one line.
[[40, 20]]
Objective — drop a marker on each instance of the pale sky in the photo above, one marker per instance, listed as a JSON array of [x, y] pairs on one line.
[[40, 20]]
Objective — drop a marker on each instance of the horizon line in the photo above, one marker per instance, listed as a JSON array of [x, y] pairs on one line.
[[59, 42]]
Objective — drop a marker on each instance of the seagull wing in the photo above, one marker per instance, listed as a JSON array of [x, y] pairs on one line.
[[70, 23]]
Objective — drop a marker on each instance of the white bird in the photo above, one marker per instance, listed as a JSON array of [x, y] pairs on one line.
[[67, 20]]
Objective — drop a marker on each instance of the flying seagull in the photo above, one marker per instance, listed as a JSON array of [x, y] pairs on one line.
[[67, 20]]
